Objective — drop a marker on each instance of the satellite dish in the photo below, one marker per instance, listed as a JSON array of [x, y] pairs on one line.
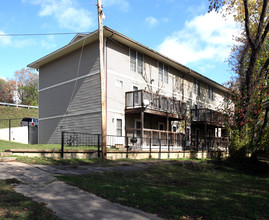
[[146, 102]]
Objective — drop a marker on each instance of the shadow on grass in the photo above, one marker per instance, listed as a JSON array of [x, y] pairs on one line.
[[244, 165], [16, 206]]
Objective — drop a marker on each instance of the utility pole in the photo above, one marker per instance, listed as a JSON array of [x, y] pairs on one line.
[[102, 77]]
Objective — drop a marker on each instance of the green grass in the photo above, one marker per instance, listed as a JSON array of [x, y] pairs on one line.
[[16, 114], [186, 190], [16, 206], [59, 161], [14, 145]]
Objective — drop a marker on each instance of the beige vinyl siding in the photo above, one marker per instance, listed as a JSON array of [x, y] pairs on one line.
[[66, 67]]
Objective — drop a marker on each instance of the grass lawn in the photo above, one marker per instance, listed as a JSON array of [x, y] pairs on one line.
[[16, 114], [186, 189], [14, 145], [16, 206]]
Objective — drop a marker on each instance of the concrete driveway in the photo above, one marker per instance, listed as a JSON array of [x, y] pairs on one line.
[[66, 201]]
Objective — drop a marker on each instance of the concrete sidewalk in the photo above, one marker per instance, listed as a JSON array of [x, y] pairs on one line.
[[66, 201]]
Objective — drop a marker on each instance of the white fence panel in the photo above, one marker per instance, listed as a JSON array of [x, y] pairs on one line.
[[18, 134]]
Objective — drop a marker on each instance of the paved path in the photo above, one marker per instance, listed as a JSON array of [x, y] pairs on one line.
[[66, 201]]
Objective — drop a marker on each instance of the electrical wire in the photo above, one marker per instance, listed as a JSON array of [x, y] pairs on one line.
[[40, 34]]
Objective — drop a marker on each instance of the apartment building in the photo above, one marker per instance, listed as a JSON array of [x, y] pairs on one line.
[[149, 96]]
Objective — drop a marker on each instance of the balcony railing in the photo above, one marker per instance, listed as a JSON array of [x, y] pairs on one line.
[[153, 138], [207, 115], [209, 143], [153, 101]]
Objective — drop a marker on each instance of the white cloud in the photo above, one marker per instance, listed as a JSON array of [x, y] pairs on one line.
[[206, 36], [8, 41], [151, 21], [66, 13], [123, 5], [48, 43], [4, 40]]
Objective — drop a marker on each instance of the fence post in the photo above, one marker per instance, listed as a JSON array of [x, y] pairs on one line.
[[160, 146], [168, 141], [9, 128], [127, 147], [150, 147], [62, 143], [98, 142]]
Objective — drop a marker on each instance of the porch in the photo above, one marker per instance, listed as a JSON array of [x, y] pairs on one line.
[[209, 143], [155, 139], [149, 119]]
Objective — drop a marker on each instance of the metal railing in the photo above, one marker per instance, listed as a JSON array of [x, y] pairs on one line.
[[209, 143], [18, 105], [207, 115], [10, 123], [153, 101], [151, 137], [75, 139]]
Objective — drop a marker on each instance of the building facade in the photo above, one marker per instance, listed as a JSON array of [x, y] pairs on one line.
[[149, 96]]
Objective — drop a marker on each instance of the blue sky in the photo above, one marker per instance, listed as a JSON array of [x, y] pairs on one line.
[[180, 29]]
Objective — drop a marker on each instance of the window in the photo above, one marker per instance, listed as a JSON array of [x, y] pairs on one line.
[[119, 127], [163, 73], [196, 87], [136, 61], [210, 92], [135, 88], [119, 83], [195, 111]]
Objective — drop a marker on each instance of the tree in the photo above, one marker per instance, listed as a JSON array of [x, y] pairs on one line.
[[27, 86], [249, 60], [5, 92]]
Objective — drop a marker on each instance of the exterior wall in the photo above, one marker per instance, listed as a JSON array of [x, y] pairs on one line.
[[69, 95], [179, 85]]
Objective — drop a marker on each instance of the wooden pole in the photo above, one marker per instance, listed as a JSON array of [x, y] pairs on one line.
[[102, 78]]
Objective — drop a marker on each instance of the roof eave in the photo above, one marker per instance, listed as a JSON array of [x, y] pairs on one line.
[[146, 50], [64, 50]]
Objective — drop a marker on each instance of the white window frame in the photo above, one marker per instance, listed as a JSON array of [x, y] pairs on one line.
[[136, 63], [162, 74], [210, 92], [196, 87], [116, 125]]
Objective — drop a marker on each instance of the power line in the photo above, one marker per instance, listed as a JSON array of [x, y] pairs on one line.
[[40, 34]]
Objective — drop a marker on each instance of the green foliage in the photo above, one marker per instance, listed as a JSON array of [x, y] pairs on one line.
[[27, 86], [249, 61]]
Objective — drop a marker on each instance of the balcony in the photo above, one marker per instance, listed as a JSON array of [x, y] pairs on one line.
[[140, 100], [208, 116]]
